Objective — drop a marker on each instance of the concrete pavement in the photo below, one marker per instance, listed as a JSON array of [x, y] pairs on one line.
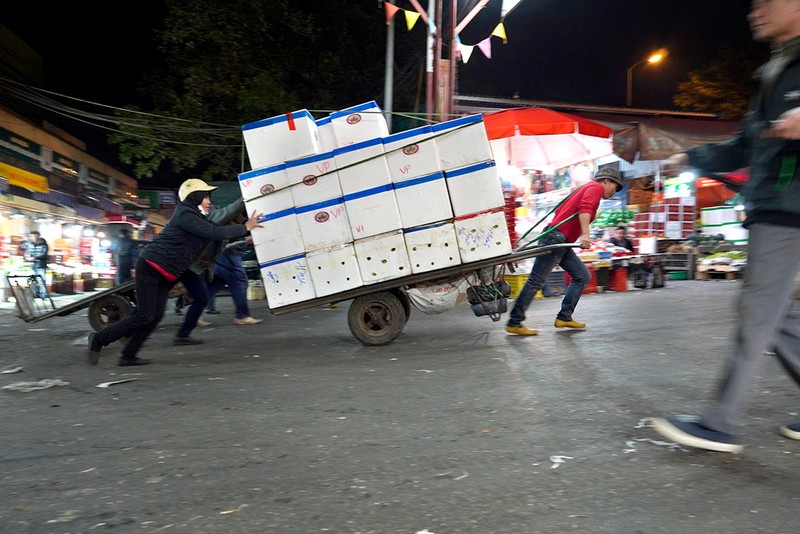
[[292, 426]]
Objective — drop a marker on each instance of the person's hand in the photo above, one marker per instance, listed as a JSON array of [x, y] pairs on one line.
[[248, 240], [675, 164], [252, 222], [786, 127], [586, 241]]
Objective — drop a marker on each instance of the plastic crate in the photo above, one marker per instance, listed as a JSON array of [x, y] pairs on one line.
[[516, 281]]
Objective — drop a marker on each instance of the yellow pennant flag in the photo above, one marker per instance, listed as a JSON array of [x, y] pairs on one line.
[[411, 18], [500, 31]]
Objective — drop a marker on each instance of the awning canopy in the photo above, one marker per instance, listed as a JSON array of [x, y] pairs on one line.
[[22, 178]]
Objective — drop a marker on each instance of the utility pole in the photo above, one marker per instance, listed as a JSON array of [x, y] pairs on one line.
[[388, 75]]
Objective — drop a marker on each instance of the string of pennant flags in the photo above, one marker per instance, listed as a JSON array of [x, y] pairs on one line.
[[463, 51]]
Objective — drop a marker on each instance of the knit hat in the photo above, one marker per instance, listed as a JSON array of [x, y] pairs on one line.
[[609, 173]]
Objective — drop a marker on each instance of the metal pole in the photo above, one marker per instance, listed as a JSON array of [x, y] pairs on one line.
[[437, 58], [388, 77], [630, 86], [429, 66], [451, 89]]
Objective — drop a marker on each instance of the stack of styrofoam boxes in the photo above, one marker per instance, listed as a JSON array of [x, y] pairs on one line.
[[723, 220], [473, 184], [679, 216], [422, 199]]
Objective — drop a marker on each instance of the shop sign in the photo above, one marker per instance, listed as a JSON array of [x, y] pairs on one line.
[[678, 187], [22, 178]]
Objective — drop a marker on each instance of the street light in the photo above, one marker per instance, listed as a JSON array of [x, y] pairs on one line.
[[655, 57]]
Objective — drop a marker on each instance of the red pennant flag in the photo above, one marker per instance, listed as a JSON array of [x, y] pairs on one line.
[[391, 9]]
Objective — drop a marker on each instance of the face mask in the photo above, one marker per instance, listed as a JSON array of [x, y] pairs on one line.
[[202, 209]]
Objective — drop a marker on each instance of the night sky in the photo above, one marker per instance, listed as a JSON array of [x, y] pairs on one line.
[[566, 51]]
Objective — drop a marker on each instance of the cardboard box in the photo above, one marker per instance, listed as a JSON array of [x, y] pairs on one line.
[[474, 188], [484, 235], [262, 181], [281, 138], [372, 212], [461, 142], [287, 281], [362, 166], [313, 179], [382, 257], [411, 154], [334, 269], [359, 123], [278, 237], [639, 196], [423, 200], [432, 247], [324, 224]]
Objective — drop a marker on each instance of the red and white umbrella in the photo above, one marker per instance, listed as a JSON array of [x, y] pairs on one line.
[[544, 140]]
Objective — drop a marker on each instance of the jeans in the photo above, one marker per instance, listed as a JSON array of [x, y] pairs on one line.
[[229, 271], [196, 287], [543, 266], [41, 271]]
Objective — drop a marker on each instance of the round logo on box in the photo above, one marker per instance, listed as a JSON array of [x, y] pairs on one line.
[[309, 180], [410, 150], [322, 217], [355, 118], [267, 188]]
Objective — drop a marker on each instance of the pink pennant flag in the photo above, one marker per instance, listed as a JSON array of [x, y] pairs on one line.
[[391, 9], [486, 47]]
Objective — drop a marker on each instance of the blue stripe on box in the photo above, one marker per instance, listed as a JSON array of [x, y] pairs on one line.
[[260, 172], [299, 114], [368, 192], [357, 146], [308, 159], [319, 205], [455, 123], [426, 227], [421, 180], [276, 215], [282, 260], [405, 135], [355, 109], [323, 121], [470, 168]]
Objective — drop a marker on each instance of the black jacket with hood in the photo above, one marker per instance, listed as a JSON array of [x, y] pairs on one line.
[[186, 235]]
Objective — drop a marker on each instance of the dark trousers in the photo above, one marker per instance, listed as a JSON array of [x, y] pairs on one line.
[[152, 291], [196, 288]]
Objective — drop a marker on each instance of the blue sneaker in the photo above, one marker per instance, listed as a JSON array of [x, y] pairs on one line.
[[687, 430], [791, 431]]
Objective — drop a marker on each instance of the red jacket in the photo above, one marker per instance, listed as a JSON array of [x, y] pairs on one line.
[[585, 199]]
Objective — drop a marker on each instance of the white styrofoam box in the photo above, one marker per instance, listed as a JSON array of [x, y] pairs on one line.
[[409, 155], [262, 181], [313, 178], [732, 231], [423, 200], [382, 257], [718, 215], [279, 235], [327, 138], [324, 224], [461, 142], [648, 245], [287, 281], [284, 137], [362, 166], [483, 235], [276, 202], [334, 269], [673, 229], [432, 247], [474, 188], [373, 212], [359, 123]]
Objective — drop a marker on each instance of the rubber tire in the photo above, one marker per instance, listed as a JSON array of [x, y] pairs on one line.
[[402, 296], [376, 319], [108, 310]]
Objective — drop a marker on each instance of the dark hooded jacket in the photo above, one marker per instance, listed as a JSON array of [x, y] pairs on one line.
[[185, 236]]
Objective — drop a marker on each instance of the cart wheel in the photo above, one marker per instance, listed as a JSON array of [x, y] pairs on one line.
[[402, 296], [376, 319], [108, 310]]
